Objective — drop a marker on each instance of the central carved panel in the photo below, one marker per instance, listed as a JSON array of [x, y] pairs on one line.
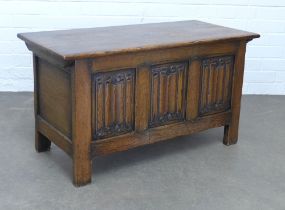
[[167, 93], [113, 103]]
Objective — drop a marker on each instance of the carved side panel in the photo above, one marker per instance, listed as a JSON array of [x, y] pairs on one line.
[[216, 84], [113, 109], [167, 93]]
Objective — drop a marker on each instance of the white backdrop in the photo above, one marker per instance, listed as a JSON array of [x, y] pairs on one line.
[[265, 58]]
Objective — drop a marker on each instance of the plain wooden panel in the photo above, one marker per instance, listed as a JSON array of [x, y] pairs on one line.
[[54, 96], [54, 135], [42, 143]]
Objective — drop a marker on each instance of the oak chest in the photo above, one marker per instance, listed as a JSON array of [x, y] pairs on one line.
[[103, 90]]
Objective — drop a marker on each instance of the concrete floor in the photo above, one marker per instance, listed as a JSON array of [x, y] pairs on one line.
[[193, 172]]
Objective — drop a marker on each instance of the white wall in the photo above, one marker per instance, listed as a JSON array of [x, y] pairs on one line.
[[265, 59]]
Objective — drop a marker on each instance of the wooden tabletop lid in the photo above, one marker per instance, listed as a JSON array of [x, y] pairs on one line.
[[92, 42]]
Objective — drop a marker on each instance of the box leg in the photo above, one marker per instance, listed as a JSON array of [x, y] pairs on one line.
[[231, 130], [230, 135], [82, 170], [81, 123], [42, 143]]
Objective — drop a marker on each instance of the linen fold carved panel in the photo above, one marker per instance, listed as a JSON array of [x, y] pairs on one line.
[[167, 93], [113, 103], [216, 84]]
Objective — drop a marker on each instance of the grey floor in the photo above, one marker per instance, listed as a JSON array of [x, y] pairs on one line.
[[193, 172]]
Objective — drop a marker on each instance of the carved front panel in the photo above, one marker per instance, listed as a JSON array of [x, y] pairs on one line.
[[113, 103], [167, 93], [216, 84]]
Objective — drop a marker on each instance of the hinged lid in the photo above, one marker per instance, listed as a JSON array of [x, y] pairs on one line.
[[93, 42]]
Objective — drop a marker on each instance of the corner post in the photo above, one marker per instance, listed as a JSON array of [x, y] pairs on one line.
[[42, 143], [231, 130], [81, 123]]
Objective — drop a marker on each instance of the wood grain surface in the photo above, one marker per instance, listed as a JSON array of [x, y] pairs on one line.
[[93, 42], [105, 90]]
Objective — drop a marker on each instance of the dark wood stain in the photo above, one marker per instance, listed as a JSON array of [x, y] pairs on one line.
[[113, 103], [216, 82], [93, 42], [54, 96], [104, 90], [167, 93]]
